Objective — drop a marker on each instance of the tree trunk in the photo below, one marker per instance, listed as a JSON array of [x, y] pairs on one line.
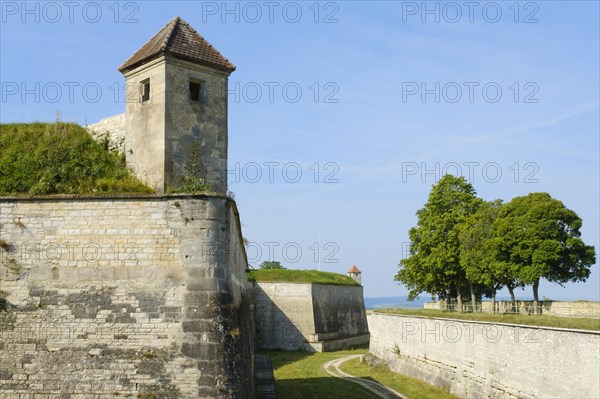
[[511, 290], [473, 298], [536, 286], [448, 296], [494, 301]]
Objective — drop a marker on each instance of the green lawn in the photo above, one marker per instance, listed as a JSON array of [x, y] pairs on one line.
[[300, 375], [300, 276], [410, 387], [532, 320]]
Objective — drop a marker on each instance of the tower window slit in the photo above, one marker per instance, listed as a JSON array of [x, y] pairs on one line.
[[145, 90], [198, 91]]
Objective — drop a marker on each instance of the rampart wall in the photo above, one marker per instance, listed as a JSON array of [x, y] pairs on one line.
[[114, 127], [133, 297], [311, 317], [486, 360]]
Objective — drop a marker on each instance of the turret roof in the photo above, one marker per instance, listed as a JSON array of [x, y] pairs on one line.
[[180, 40], [354, 269]]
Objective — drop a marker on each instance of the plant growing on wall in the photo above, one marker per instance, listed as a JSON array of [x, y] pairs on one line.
[[192, 182], [3, 302], [4, 245]]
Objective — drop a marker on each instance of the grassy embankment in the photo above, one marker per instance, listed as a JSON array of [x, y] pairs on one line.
[[300, 375], [61, 158], [300, 276], [531, 320], [412, 388]]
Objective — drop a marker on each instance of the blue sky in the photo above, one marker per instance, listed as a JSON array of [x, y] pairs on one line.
[[371, 103]]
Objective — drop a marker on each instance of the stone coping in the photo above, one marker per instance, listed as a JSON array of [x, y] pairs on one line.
[[592, 332], [111, 197]]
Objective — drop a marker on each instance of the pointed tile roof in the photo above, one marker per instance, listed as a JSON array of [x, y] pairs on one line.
[[181, 41], [354, 269]]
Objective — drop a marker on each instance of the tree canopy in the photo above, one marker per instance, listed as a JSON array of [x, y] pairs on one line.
[[476, 258], [537, 237], [271, 265], [434, 262], [464, 244]]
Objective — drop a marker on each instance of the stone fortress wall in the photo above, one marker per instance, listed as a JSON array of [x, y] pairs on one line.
[[310, 317], [114, 127], [489, 360], [133, 297]]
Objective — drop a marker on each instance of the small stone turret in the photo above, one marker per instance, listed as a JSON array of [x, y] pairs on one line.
[[355, 273], [176, 111]]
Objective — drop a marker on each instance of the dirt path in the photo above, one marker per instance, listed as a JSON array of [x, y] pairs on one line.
[[333, 368]]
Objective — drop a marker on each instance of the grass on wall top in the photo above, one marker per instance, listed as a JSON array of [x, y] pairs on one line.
[[61, 158], [299, 276], [523, 319]]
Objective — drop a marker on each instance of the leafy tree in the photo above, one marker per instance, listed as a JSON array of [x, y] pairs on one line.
[[271, 265], [506, 273], [537, 237], [475, 256], [434, 262]]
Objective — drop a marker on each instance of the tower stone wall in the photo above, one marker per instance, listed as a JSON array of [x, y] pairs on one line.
[[145, 121], [192, 123]]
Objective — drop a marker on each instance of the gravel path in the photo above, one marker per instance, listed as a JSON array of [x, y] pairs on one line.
[[333, 368]]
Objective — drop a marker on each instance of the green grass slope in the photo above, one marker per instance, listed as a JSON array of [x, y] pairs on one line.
[[60, 158], [300, 276]]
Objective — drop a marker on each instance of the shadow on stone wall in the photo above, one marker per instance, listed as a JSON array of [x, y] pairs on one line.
[[310, 317], [274, 329]]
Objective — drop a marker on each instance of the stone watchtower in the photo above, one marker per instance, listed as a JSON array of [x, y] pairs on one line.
[[176, 111], [356, 274]]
